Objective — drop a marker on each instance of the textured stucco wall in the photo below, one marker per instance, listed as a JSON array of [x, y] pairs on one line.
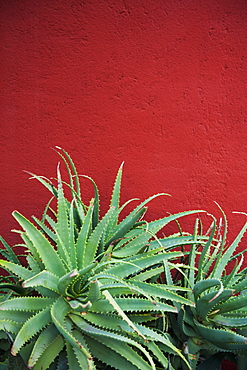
[[160, 84]]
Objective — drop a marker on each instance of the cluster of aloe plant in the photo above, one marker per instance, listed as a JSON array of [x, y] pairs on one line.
[[214, 327], [106, 292]]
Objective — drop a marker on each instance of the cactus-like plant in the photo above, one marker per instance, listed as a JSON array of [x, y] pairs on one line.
[[86, 293], [215, 327]]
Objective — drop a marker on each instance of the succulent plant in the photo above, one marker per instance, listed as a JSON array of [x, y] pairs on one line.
[[215, 327], [86, 293]]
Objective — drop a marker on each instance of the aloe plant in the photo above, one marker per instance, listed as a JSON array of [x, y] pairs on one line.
[[86, 296], [215, 327]]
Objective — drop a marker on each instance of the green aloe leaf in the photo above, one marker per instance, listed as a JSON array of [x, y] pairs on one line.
[[21, 317], [50, 353], [45, 228], [192, 256], [32, 250], [10, 326], [138, 209], [233, 304], [8, 252], [233, 277], [108, 321], [44, 182], [59, 311], [44, 340], [133, 247], [153, 272], [155, 350], [76, 359], [205, 254], [109, 337], [32, 263], [224, 339], [47, 253], [95, 216], [240, 286], [157, 290], [203, 285], [132, 305], [94, 239], [51, 222], [175, 241], [108, 355], [231, 322], [65, 281], [72, 233], [209, 302], [184, 324], [140, 262], [122, 229], [115, 200], [45, 279], [224, 259], [31, 327], [16, 288], [94, 291], [62, 227], [17, 269], [83, 236], [164, 339], [120, 311], [155, 226], [127, 352], [31, 304], [71, 169]]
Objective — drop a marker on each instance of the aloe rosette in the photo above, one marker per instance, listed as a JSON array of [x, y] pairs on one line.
[[85, 299], [215, 327]]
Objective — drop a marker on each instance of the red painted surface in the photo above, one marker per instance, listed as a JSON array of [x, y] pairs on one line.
[[159, 84]]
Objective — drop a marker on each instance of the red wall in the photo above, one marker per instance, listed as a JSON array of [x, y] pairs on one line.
[[158, 84]]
